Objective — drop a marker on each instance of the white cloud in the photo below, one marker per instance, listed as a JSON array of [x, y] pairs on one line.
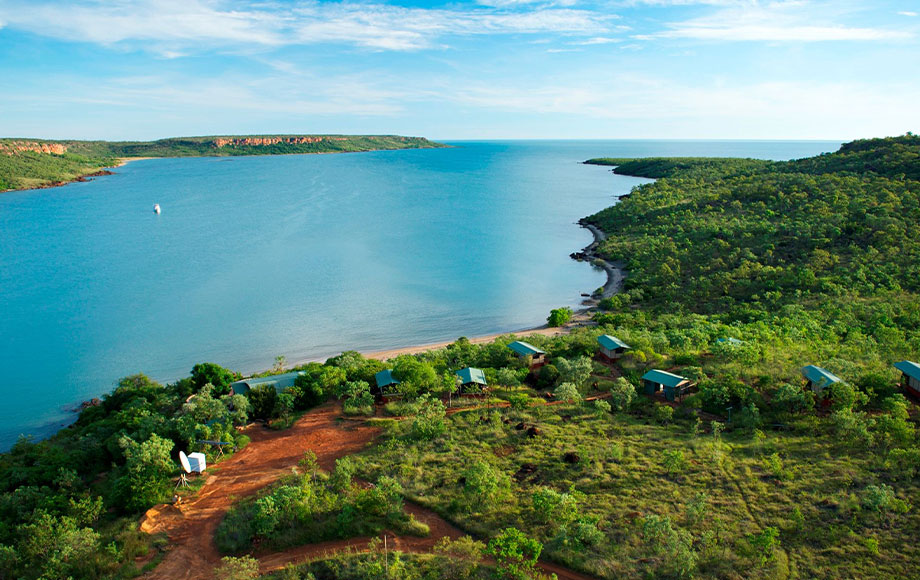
[[906, 13], [173, 25], [599, 40], [780, 21]]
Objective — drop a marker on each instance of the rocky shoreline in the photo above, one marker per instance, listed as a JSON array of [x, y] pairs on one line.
[[614, 270]]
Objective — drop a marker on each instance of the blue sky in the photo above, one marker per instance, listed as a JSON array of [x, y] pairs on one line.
[[737, 69]]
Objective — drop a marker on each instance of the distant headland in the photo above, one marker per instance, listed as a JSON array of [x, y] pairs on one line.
[[40, 163]]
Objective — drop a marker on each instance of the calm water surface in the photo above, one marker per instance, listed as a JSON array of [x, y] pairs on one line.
[[304, 256]]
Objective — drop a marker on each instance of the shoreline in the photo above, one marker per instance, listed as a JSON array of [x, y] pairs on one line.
[[616, 273], [122, 161], [581, 317]]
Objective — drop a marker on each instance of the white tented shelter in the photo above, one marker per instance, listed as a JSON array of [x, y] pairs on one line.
[[196, 462]]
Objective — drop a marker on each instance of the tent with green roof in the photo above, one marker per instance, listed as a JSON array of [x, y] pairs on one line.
[[471, 378], [279, 382], [538, 357], [612, 347], [910, 376], [386, 382], [674, 386], [818, 378]]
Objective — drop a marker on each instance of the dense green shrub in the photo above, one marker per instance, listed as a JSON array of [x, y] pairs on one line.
[[559, 316]]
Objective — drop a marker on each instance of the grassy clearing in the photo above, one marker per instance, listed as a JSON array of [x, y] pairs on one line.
[[718, 493]]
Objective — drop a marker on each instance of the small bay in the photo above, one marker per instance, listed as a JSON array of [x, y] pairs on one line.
[[303, 256]]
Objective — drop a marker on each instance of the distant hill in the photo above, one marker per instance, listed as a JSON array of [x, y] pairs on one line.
[[30, 163]]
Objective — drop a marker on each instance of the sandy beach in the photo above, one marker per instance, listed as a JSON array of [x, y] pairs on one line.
[[125, 160]]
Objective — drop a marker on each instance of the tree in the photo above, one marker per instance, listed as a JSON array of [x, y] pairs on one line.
[[557, 509], [242, 568], [415, 377], [765, 544], [674, 461], [559, 316], [664, 414], [675, 545], [793, 399], [576, 371], [515, 554], [622, 393], [483, 485], [205, 373], [567, 392], [54, 544], [429, 419], [264, 401], [146, 471]]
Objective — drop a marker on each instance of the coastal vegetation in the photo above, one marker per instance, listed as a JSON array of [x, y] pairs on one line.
[[30, 163], [740, 272]]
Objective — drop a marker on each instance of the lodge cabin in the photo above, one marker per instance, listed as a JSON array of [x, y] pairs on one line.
[[819, 379], [524, 349], [612, 347], [386, 384], [910, 376], [674, 387], [730, 341], [470, 380], [280, 382]]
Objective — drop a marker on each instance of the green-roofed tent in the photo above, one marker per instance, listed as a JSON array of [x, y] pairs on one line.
[[730, 340], [385, 379], [674, 386], [910, 376], [818, 378], [538, 357], [470, 376], [280, 382], [612, 347]]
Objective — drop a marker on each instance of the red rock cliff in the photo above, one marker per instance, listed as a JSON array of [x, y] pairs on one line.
[[11, 147], [262, 141]]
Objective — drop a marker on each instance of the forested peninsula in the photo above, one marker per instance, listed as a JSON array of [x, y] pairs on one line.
[[36, 163], [565, 460]]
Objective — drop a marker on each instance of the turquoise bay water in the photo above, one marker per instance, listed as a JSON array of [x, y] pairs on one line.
[[304, 256]]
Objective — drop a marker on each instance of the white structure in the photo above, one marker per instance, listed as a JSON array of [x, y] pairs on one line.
[[156, 208], [197, 462]]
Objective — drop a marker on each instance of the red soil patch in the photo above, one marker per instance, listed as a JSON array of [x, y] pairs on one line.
[[271, 454]]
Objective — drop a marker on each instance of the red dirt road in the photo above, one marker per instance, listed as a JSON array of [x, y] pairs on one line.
[[271, 454]]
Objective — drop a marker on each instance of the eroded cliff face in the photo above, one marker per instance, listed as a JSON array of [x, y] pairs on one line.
[[261, 141], [11, 147]]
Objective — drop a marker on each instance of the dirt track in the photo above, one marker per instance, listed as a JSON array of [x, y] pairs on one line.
[[271, 454]]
